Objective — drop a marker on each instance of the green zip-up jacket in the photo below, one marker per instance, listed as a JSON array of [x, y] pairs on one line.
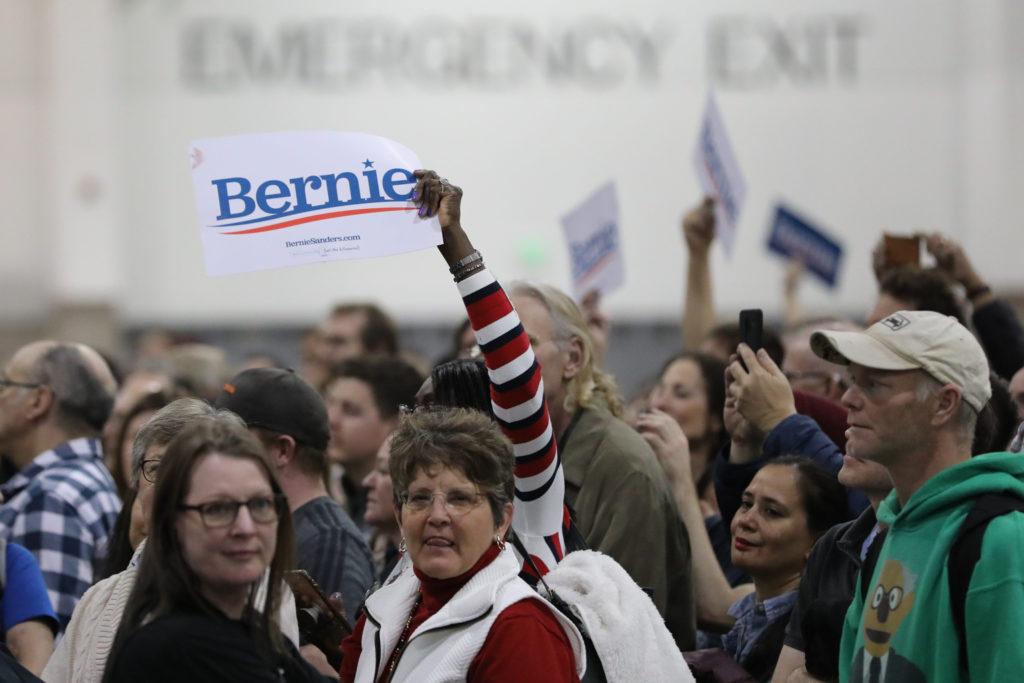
[[903, 629]]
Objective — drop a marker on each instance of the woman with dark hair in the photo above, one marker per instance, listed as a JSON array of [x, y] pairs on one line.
[[459, 383], [691, 389], [205, 601], [789, 504], [81, 655], [691, 392]]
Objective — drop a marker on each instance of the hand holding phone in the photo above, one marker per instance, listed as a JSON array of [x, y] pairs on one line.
[[902, 250], [752, 329]]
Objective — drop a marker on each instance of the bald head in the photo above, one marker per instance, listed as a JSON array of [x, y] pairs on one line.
[[81, 381]]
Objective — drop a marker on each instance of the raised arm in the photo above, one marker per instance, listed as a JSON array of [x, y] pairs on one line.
[[996, 323], [517, 391], [698, 297], [791, 312], [711, 589]]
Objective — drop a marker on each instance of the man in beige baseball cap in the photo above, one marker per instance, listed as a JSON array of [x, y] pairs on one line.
[[911, 340], [918, 380]]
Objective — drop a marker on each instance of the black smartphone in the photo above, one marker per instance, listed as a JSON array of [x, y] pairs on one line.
[[320, 623], [752, 329]]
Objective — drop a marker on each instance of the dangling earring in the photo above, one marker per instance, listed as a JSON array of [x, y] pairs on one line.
[[402, 547], [499, 542]]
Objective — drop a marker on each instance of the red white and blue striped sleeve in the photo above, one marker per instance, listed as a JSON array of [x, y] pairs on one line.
[[517, 398]]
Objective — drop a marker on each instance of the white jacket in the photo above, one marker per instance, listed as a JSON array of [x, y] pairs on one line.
[[628, 634], [443, 647]]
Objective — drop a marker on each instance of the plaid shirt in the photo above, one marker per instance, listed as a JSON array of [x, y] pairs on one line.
[[62, 507]]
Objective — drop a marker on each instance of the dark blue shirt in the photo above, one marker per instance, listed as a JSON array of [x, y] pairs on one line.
[[332, 549]]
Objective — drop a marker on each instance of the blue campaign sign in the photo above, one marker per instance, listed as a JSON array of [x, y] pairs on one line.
[[794, 237]]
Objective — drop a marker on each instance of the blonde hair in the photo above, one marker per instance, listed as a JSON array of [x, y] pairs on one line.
[[591, 385]]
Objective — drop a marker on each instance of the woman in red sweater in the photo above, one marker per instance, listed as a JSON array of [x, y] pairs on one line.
[[458, 609]]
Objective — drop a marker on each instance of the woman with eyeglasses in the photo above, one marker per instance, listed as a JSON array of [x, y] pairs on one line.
[[458, 610], [220, 527], [81, 655]]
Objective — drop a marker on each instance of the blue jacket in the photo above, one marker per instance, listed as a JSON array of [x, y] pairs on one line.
[[796, 435]]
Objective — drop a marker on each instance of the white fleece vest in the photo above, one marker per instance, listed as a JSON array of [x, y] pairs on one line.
[[443, 647]]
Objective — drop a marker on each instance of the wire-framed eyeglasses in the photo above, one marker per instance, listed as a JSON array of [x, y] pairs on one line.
[[457, 502], [150, 469], [5, 382]]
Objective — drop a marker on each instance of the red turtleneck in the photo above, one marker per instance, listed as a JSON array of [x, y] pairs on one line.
[[525, 642]]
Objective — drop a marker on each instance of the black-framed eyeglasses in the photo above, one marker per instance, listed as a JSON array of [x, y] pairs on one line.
[[222, 513], [150, 469], [4, 382]]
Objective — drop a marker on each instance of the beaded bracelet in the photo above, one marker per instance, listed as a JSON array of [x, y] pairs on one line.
[[471, 269]]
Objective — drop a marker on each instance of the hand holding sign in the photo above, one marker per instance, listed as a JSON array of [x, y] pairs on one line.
[[951, 259], [699, 228], [436, 197]]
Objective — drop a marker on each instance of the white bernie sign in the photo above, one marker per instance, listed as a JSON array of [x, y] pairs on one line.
[[282, 199]]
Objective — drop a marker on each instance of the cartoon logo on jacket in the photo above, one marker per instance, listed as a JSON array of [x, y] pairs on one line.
[[885, 608]]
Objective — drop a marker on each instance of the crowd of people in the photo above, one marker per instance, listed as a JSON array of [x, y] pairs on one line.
[[836, 501]]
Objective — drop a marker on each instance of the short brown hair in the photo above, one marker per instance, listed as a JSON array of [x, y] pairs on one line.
[[925, 289], [379, 333], [459, 439], [310, 461], [392, 382]]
